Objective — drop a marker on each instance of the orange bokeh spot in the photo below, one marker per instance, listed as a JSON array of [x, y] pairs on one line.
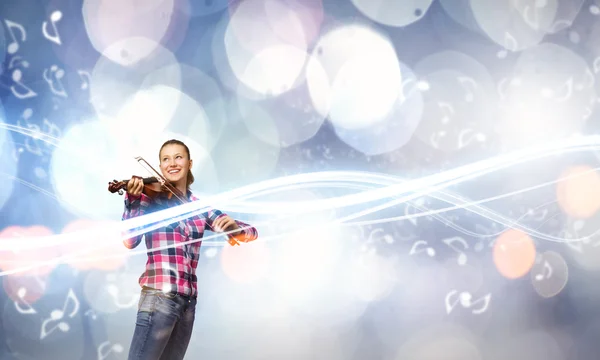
[[514, 253], [14, 237], [579, 194], [97, 249], [24, 290], [245, 263]]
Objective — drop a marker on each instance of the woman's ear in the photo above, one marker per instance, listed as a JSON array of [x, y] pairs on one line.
[[191, 163]]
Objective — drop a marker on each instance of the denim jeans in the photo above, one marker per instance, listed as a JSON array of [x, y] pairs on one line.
[[163, 326]]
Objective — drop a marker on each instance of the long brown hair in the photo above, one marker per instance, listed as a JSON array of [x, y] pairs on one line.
[[190, 176]]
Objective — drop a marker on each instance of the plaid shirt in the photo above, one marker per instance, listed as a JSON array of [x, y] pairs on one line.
[[173, 270]]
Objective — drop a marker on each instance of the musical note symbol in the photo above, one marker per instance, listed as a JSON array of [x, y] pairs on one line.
[[34, 148], [470, 86], [368, 245], [534, 21], [510, 44], [386, 237], [17, 75], [465, 300], [463, 134], [537, 216], [428, 249], [406, 91], [577, 227], [17, 153], [596, 65], [52, 130], [462, 257], [57, 315], [113, 290], [502, 85], [479, 246], [546, 272], [54, 18], [15, 60], [115, 348], [21, 293], [448, 111], [327, 153], [568, 90], [85, 79], [434, 139], [58, 74], [588, 82], [91, 313], [408, 214], [486, 232], [13, 47]]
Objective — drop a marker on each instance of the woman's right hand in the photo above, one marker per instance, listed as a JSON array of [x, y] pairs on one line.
[[135, 186]]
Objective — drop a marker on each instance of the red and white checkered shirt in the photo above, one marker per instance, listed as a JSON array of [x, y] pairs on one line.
[[173, 270]]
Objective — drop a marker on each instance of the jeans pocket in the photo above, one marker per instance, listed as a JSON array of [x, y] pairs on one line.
[[147, 303], [142, 297], [167, 304]]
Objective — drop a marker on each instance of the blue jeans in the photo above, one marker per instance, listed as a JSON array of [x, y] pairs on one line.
[[163, 327]]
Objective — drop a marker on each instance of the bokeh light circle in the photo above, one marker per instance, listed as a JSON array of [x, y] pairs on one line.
[[550, 274], [109, 22], [514, 254], [265, 46], [354, 76], [113, 83], [246, 264], [549, 93], [396, 128], [578, 191]]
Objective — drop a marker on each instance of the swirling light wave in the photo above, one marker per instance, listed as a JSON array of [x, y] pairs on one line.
[[237, 200]]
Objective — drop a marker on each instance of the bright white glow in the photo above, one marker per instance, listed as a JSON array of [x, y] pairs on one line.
[[85, 160], [148, 110], [373, 276], [358, 78]]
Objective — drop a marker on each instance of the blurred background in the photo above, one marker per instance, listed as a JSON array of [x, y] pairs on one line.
[[382, 92]]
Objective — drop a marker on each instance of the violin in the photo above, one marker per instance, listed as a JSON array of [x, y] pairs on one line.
[[155, 186], [152, 188]]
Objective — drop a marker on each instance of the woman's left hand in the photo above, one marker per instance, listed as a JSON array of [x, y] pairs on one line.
[[225, 223]]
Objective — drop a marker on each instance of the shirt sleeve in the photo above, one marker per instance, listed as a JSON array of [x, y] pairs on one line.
[[134, 206], [249, 232]]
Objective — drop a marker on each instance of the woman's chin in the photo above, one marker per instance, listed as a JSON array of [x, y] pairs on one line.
[[175, 180]]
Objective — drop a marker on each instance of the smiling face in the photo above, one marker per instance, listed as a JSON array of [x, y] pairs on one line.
[[175, 164]]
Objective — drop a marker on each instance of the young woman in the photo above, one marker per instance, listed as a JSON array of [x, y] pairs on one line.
[[166, 310]]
